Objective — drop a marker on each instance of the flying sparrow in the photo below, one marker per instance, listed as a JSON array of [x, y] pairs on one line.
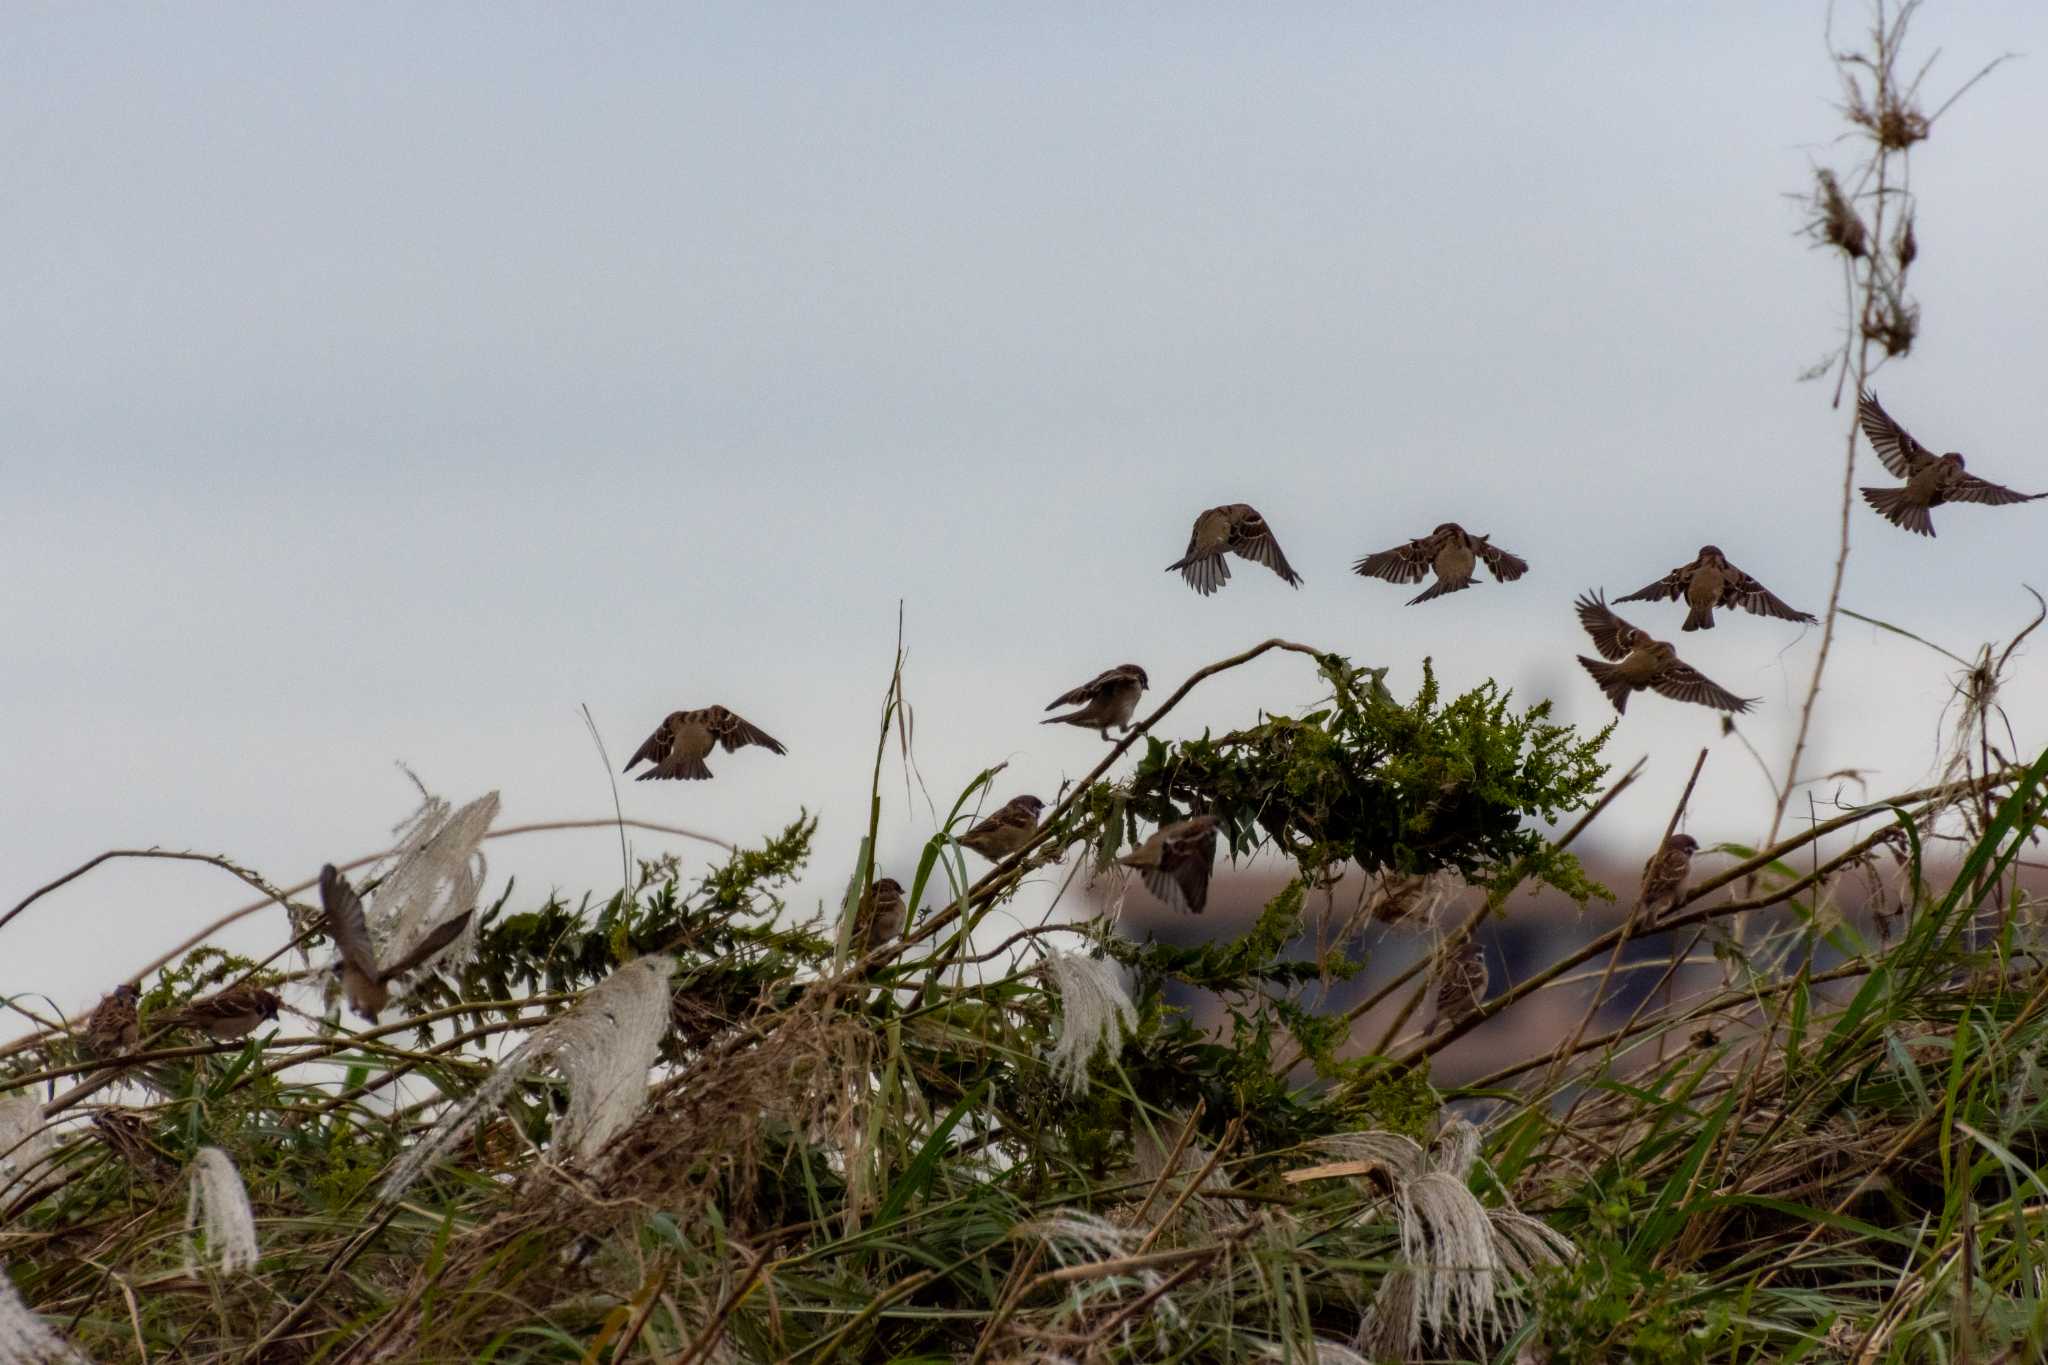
[[113, 1028], [1931, 479], [1005, 831], [1644, 662], [1176, 862], [1711, 581], [678, 745], [1235, 527], [233, 1013], [1106, 699], [1452, 551], [880, 916], [363, 980], [1460, 985], [1664, 875]]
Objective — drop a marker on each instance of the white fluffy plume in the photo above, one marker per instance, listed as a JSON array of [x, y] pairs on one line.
[[220, 1202], [437, 872], [24, 1340], [603, 1047], [24, 1139], [1095, 1013]]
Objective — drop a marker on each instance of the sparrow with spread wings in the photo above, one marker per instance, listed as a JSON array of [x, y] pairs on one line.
[[1234, 528], [678, 745], [1006, 830], [1931, 479], [1711, 581], [1176, 862], [1452, 552], [1640, 662], [365, 981], [1109, 698]]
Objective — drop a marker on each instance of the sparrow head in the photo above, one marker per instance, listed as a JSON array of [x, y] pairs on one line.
[[1030, 803], [1201, 824], [266, 1004], [1139, 673], [1448, 528], [1954, 457], [1635, 637], [888, 886], [126, 993], [1683, 843], [1711, 552]]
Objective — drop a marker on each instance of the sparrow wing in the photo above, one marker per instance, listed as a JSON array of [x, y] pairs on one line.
[[1504, 566], [1402, 564], [1187, 859], [732, 732], [1093, 688], [1603, 625], [345, 922], [444, 934], [1670, 586], [1970, 488], [1251, 538], [1894, 445], [1745, 592], [656, 745], [1683, 682]]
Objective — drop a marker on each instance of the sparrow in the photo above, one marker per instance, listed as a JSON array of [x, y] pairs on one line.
[[127, 1134], [1451, 550], [1238, 528], [1931, 479], [1664, 875], [880, 916], [113, 1027], [226, 1015], [1106, 699], [1711, 581], [1176, 862], [363, 980], [1644, 662], [1461, 985], [1008, 829], [678, 745]]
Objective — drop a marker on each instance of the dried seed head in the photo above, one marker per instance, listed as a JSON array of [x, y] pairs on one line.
[[1906, 246], [1837, 224]]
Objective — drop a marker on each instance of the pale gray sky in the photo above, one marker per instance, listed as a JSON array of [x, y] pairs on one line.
[[381, 382]]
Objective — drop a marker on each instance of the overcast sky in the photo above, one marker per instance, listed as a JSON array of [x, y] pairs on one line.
[[381, 383]]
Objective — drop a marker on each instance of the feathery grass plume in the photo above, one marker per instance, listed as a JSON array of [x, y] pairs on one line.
[[1447, 1241], [1836, 222], [24, 1340], [604, 1047], [438, 872], [218, 1197], [1075, 1238], [1095, 1013], [1326, 1353], [24, 1138]]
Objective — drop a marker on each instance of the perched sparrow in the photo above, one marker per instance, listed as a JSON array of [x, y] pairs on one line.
[[363, 980], [1644, 662], [1176, 862], [1007, 830], [113, 1028], [1237, 528], [1460, 985], [1451, 550], [880, 916], [1664, 875], [127, 1134], [1931, 479], [1711, 581], [1105, 700], [678, 745], [233, 1013]]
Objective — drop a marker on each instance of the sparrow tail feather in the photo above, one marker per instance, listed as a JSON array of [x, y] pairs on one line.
[[1700, 617], [1615, 688], [1891, 504]]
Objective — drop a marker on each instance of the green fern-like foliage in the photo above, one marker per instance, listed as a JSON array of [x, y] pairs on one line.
[[1413, 787]]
